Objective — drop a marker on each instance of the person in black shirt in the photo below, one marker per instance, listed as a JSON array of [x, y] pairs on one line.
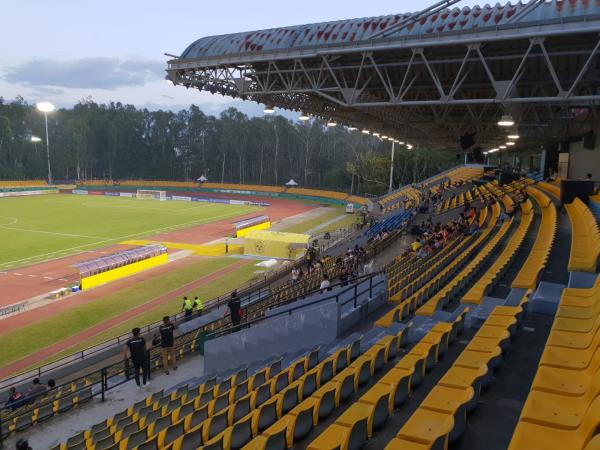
[[166, 344], [235, 309], [136, 347]]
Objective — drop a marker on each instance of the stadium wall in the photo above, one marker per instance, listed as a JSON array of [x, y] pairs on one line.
[[122, 272], [22, 191]]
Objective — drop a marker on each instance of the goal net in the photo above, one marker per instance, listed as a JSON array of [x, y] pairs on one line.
[[142, 194]]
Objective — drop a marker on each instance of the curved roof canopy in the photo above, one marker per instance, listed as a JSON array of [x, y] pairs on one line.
[[354, 31], [427, 77]]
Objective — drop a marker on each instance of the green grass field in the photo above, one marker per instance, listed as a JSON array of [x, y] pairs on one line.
[[43, 227]]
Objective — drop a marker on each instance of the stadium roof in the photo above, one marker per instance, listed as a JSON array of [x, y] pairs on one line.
[[427, 77]]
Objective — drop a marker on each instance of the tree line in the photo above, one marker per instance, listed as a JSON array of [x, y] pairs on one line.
[[116, 141]]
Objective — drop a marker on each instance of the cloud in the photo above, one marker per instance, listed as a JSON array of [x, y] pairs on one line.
[[86, 73]]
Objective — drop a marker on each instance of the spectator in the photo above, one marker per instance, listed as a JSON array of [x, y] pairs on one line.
[[325, 284], [234, 308], [199, 304], [415, 246], [344, 277], [22, 444], [51, 383], [136, 347], [37, 389], [188, 308], [167, 341], [15, 400]]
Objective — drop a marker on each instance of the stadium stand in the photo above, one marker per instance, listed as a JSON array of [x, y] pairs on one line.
[[342, 394], [22, 183]]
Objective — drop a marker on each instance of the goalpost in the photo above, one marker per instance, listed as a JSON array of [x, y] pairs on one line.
[[146, 194]]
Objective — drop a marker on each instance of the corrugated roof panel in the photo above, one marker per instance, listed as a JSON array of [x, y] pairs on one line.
[[356, 30]]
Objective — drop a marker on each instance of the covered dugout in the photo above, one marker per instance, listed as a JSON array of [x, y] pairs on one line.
[[276, 244]]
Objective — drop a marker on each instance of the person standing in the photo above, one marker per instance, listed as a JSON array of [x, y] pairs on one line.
[[234, 307], [136, 348], [167, 341], [325, 284], [187, 308], [199, 304]]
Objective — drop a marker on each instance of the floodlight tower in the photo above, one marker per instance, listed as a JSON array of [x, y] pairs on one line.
[[47, 107]]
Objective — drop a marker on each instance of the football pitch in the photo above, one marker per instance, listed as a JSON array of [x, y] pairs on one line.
[[44, 227]]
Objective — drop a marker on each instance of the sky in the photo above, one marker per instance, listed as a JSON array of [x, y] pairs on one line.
[[63, 51]]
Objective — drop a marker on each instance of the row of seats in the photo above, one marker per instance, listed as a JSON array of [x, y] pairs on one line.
[[455, 201], [429, 284], [562, 409], [46, 406], [550, 188], [402, 277], [363, 418], [210, 413], [502, 262], [462, 279], [441, 417], [585, 238], [22, 183], [528, 276], [318, 193], [347, 378], [393, 201], [411, 296]]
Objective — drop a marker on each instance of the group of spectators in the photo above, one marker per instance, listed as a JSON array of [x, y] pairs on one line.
[[16, 398], [433, 237]]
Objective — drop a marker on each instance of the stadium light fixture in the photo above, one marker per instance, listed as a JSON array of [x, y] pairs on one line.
[[513, 136], [502, 147], [366, 132], [384, 137], [400, 142], [351, 128], [304, 117], [376, 134], [269, 109], [35, 139], [331, 123], [506, 121], [493, 150], [510, 143], [47, 107]]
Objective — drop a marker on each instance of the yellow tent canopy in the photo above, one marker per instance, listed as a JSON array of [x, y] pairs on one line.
[[276, 244]]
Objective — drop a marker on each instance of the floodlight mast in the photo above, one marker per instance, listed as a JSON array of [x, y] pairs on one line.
[[47, 107]]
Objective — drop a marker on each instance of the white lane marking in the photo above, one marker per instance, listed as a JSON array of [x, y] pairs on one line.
[[49, 278], [63, 279], [11, 220], [31, 276], [54, 233], [18, 274]]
